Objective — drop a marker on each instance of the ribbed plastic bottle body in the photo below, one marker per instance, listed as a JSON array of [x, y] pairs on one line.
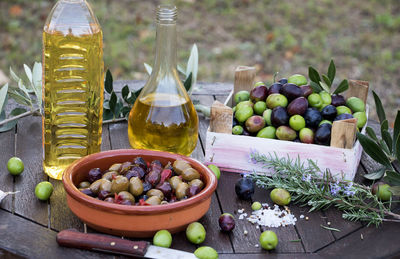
[[73, 85]]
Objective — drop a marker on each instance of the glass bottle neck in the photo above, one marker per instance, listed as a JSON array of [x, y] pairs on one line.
[[165, 47]]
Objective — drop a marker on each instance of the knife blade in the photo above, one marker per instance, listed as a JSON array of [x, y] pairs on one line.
[[108, 244]]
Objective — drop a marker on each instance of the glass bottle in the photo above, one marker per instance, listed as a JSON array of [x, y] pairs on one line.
[[163, 116], [73, 85]]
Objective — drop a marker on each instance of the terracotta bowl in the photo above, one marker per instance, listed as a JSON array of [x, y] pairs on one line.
[[135, 221]]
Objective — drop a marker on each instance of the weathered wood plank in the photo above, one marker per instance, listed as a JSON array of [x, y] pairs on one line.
[[287, 234], [7, 150], [119, 135], [312, 235], [229, 202], [382, 242], [29, 148], [29, 240]]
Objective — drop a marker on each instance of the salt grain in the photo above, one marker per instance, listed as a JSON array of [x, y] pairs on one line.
[[270, 217], [256, 245], [302, 216], [245, 232], [240, 210]]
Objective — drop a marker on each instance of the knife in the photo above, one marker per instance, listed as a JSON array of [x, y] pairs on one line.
[[108, 244]]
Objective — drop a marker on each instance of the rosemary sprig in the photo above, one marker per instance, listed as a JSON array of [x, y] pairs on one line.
[[302, 181]]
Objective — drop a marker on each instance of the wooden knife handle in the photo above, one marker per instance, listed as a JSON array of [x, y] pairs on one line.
[[96, 242]]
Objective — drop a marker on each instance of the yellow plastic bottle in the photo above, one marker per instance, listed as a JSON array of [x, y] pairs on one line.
[[73, 85], [163, 116]]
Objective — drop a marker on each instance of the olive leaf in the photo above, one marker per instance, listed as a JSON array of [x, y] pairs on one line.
[[327, 81], [371, 133], [37, 83], [125, 92], [313, 75], [11, 124], [397, 145], [316, 87], [375, 175], [379, 107], [324, 86], [192, 67], [373, 150], [108, 84], [28, 73], [188, 82], [3, 96], [388, 140], [113, 101], [148, 68], [396, 130], [392, 177], [107, 114], [343, 86], [331, 71], [395, 190]]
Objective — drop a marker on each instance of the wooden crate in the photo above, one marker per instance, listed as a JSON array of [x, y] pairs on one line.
[[231, 152]]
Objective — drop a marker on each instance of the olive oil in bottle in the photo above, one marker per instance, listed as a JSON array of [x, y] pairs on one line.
[[163, 116], [72, 85]]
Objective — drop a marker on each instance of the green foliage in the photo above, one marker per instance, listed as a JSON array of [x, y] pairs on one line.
[[22, 93], [385, 150], [327, 80], [302, 180]]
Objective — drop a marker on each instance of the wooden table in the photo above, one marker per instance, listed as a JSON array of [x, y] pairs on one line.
[[28, 227]]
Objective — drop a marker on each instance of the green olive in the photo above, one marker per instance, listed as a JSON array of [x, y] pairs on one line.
[[115, 167], [190, 174], [180, 166], [135, 186], [95, 186], [109, 175], [153, 200], [84, 184], [126, 196], [180, 192], [155, 192], [174, 181], [119, 184], [105, 186], [196, 182], [164, 202]]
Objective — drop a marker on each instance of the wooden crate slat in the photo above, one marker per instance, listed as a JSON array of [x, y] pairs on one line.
[[7, 151], [29, 148]]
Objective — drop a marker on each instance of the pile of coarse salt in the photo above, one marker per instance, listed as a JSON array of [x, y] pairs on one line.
[[270, 217]]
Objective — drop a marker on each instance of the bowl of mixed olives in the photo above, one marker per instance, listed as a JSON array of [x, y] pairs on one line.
[[138, 192]]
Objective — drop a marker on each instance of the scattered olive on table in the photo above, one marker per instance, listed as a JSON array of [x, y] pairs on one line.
[[196, 233], [215, 170], [280, 196], [162, 238], [43, 190], [226, 222], [15, 166], [244, 188], [141, 183], [206, 252], [381, 190]]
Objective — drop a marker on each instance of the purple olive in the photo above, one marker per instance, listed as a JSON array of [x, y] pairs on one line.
[[135, 171], [88, 192], [165, 188], [193, 190], [156, 166], [146, 186], [153, 177], [259, 93], [94, 175], [126, 202], [226, 222], [275, 88], [104, 194], [338, 100], [140, 162]]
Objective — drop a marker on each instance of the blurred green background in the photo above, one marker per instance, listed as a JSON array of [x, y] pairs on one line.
[[362, 36]]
